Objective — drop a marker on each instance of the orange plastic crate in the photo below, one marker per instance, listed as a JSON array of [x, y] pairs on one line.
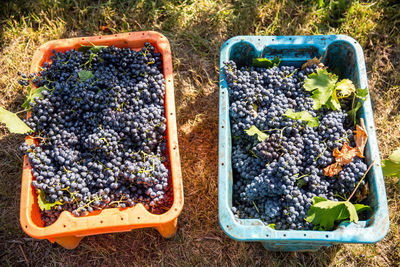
[[68, 230]]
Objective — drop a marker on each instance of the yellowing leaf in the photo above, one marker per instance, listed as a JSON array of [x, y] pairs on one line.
[[302, 116], [360, 138], [43, 204], [254, 130], [333, 102], [345, 88], [13, 123]]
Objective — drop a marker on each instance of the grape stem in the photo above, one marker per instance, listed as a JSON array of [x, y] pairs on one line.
[[365, 174]]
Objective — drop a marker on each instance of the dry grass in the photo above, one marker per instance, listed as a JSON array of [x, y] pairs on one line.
[[196, 30]]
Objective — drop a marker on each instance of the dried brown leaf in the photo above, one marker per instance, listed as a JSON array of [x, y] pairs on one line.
[[332, 169], [311, 62], [345, 155], [360, 138]]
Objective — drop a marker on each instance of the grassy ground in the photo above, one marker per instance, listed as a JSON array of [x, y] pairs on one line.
[[196, 30]]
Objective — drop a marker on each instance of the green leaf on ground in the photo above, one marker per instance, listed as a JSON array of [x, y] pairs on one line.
[[324, 213], [85, 75], [391, 166], [302, 116], [265, 62], [395, 156], [32, 94], [255, 131], [322, 83], [13, 122], [272, 225], [43, 204]]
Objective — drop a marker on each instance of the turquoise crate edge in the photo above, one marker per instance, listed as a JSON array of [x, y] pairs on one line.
[[350, 234]]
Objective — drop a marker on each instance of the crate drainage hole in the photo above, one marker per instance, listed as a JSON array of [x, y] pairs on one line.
[[222, 126], [65, 226], [138, 218], [26, 226], [222, 164], [284, 235], [267, 235], [101, 221], [327, 236], [305, 234]]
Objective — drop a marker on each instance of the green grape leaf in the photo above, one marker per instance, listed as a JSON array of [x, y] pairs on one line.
[[254, 130], [345, 88], [353, 113], [362, 93], [32, 94], [272, 225], [97, 48], [360, 208], [391, 166], [94, 48], [85, 75], [322, 83], [333, 102], [13, 122], [324, 213], [301, 183], [265, 62], [43, 204], [302, 116]]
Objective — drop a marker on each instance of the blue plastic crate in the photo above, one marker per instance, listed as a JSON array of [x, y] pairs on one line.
[[345, 56]]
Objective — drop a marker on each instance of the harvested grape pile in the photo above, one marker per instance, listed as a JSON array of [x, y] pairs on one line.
[[100, 125], [278, 159]]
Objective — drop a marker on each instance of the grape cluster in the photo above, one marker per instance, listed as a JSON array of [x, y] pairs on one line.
[[276, 179], [101, 140]]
